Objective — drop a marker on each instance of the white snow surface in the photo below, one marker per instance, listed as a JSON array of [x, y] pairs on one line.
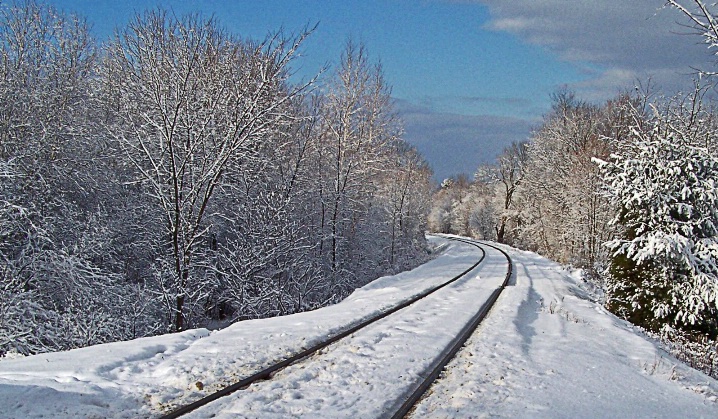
[[545, 350]]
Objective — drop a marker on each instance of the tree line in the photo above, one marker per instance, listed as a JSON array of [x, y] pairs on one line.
[[178, 176], [626, 190]]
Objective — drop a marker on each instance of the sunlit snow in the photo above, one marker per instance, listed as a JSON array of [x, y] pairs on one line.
[[545, 350]]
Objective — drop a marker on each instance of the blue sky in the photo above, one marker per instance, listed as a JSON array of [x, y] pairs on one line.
[[469, 77]]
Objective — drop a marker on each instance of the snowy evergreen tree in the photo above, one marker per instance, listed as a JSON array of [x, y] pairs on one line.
[[665, 263]]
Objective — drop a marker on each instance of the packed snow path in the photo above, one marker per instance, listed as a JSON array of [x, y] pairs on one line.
[[546, 350]]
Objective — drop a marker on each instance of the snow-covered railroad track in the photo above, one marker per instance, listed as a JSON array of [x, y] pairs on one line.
[[546, 350], [406, 404], [391, 340]]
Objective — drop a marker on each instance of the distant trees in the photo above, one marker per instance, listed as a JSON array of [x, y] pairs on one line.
[[542, 194], [451, 209], [626, 190], [483, 207], [177, 176]]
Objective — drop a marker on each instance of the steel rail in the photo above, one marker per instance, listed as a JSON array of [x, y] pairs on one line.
[[268, 371], [404, 406]]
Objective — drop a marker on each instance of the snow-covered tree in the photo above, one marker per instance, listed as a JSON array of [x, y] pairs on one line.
[[403, 197], [665, 263], [561, 215], [187, 102], [177, 175], [357, 127], [508, 174], [50, 251]]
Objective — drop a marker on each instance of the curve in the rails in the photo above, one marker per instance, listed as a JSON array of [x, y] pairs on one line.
[[270, 370], [405, 405]]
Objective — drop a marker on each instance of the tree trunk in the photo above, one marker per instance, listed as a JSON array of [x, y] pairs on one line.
[[179, 317], [501, 230]]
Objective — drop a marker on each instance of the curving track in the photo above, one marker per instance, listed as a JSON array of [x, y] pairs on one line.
[[397, 328], [404, 406]]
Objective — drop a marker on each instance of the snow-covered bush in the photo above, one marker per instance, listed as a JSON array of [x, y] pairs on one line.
[[665, 263], [700, 353]]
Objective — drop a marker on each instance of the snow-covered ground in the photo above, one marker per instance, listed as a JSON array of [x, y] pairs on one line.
[[364, 375], [544, 351], [547, 351]]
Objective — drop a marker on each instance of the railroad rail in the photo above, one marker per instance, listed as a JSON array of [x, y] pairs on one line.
[[405, 403]]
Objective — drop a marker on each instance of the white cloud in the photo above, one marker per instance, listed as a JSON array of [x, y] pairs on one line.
[[628, 40], [512, 24]]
